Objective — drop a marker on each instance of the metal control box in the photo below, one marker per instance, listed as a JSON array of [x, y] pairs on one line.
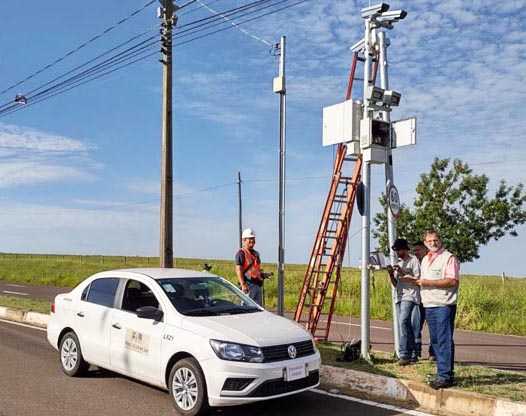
[[341, 123]]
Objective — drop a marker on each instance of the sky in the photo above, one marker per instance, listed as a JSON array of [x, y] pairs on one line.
[[80, 172]]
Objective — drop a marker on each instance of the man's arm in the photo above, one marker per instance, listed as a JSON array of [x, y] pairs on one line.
[[450, 277], [390, 272], [241, 278]]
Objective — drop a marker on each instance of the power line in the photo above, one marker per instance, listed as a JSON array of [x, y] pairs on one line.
[[130, 54], [148, 43], [246, 32], [56, 61]]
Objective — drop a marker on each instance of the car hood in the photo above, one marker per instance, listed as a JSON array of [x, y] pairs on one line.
[[258, 328]]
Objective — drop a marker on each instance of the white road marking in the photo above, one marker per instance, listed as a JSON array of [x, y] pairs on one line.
[[19, 324], [374, 404], [11, 284], [15, 293]]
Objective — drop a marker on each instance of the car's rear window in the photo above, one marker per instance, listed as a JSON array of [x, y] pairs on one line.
[[102, 291]]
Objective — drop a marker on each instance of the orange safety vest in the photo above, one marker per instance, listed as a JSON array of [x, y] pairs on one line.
[[252, 266]]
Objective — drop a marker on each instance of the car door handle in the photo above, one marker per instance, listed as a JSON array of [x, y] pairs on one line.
[[81, 314], [116, 326]]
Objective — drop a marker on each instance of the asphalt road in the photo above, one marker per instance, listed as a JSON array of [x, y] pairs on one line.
[[505, 352], [31, 383]]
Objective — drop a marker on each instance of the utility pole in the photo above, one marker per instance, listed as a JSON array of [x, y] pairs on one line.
[[383, 43], [279, 87], [240, 210], [166, 232]]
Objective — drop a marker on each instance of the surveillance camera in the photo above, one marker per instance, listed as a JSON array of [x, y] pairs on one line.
[[392, 16], [391, 98], [374, 94], [374, 10]]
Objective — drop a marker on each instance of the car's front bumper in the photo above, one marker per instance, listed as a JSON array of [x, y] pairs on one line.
[[250, 382]]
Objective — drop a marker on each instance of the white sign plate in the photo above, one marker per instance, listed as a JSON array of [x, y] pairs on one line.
[[295, 372], [393, 199]]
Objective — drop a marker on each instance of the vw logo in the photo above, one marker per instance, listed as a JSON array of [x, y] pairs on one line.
[[292, 351]]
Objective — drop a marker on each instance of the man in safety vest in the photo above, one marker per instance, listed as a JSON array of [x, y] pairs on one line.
[[248, 267], [439, 291]]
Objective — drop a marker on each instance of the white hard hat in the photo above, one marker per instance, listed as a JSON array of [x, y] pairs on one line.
[[248, 233]]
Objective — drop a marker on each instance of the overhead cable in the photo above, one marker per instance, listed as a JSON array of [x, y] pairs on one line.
[[56, 61], [246, 32], [110, 65], [116, 59]]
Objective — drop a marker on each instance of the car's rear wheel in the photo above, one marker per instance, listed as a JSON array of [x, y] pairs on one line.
[[188, 388], [71, 360]]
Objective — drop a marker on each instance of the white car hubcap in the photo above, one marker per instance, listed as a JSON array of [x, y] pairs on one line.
[[69, 354], [184, 388]]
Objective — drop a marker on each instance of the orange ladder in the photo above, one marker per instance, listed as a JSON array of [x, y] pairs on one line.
[[320, 286]]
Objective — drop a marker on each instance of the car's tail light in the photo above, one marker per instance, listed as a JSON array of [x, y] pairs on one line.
[[52, 308]]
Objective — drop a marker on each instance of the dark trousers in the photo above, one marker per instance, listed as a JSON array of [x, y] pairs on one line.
[[441, 323]]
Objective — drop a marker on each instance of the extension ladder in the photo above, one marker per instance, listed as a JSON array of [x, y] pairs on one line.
[[320, 286]]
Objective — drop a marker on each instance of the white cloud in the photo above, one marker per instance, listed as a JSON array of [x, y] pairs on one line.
[[29, 157], [18, 138]]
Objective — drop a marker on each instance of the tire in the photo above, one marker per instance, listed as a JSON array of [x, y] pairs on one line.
[[71, 360], [188, 388]]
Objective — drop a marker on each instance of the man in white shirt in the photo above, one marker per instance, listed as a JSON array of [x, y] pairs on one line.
[[407, 270]]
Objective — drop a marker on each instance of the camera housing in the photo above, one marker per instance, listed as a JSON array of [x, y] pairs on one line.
[[374, 10]]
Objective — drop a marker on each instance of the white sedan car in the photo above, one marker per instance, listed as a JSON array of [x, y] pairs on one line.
[[192, 333]]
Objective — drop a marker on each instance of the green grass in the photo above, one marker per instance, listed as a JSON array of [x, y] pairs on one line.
[[483, 380], [34, 305], [485, 303]]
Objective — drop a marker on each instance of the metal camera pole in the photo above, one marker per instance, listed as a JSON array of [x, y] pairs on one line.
[[279, 87], [383, 42], [366, 220]]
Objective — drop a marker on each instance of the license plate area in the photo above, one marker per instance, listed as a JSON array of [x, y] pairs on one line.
[[295, 372]]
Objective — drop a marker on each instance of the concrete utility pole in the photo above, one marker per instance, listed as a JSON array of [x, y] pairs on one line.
[[240, 205], [279, 87], [166, 232], [383, 43]]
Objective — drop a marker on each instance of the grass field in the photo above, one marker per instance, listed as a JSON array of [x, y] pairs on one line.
[[485, 303], [483, 380]]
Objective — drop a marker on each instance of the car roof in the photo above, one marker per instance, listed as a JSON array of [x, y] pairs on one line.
[[163, 273]]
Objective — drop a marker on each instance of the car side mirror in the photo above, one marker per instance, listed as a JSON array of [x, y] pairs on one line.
[[149, 312]]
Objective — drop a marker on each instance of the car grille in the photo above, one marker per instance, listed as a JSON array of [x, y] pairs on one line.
[[279, 352], [237, 384], [280, 386]]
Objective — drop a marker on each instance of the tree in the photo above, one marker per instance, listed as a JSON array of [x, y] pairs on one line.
[[454, 201]]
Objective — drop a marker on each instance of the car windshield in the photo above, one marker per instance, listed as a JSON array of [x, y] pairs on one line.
[[206, 296]]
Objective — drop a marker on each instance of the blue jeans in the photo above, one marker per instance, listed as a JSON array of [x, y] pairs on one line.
[[409, 329], [255, 292], [417, 322], [441, 323]]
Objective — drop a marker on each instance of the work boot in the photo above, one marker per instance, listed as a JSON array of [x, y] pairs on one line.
[[404, 361]]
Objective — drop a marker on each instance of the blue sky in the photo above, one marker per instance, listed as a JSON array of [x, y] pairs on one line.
[[79, 173]]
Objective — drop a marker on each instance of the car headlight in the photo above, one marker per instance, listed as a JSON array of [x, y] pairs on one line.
[[237, 352]]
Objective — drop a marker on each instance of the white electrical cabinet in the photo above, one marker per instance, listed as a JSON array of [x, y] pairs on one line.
[[403, 132], [341, 124]]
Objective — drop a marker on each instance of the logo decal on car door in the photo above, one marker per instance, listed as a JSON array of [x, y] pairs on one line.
[[136, 341]]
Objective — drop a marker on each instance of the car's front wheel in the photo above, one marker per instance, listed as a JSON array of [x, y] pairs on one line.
[[188, 388], [71, 360]]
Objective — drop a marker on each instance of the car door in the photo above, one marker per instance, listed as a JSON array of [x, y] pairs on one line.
[[135, 347], [93, 317]]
